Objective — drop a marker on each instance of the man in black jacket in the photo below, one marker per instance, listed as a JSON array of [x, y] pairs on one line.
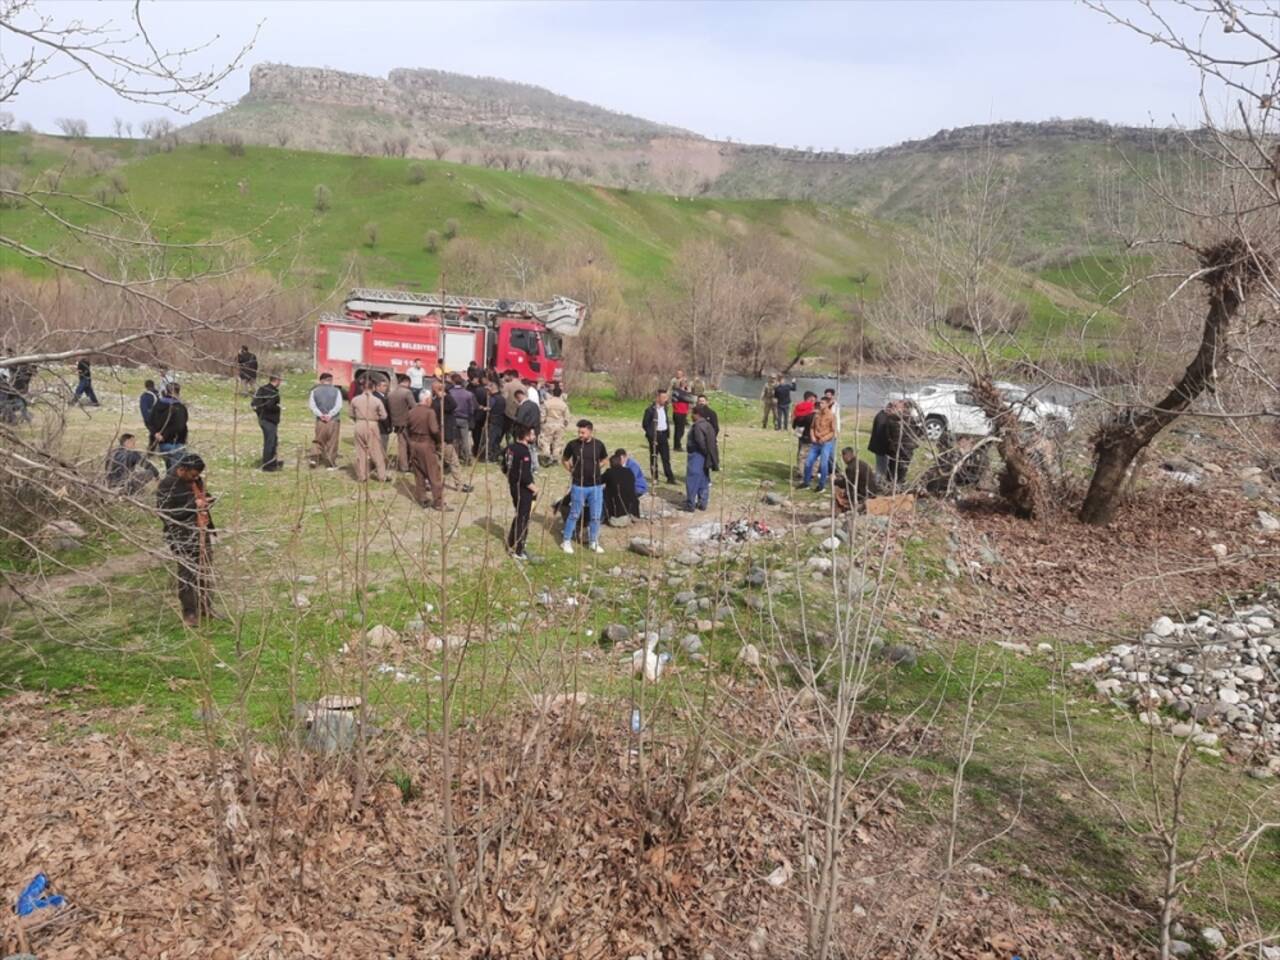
[[782, 394], [188, 531], [128, 469], [495, 424], [168, 425], [266, 404], [445, 408], [657, 430], [84, 383], [707, 413], [528, 413], [878, 442], [247, 368], [521, 467], [704, 457], [480, 393]]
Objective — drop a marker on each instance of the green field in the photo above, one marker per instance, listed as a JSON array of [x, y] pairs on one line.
[[365, 556]]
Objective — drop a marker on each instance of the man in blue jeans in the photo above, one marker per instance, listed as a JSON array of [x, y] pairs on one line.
[[84, 383], [704, 457], [823, 431], [586, 459]]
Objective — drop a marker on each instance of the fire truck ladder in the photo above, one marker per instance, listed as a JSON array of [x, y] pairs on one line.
[[561, 314]]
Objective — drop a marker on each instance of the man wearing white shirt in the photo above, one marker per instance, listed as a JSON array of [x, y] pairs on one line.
[[416, 376], [325, 402], [531, 393], [656, 426], [830, 395]]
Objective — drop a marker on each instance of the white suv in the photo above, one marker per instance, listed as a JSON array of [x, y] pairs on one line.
[[950, 408]]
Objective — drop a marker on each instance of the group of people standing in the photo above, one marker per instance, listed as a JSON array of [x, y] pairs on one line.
[[440, 422], [662, 418]]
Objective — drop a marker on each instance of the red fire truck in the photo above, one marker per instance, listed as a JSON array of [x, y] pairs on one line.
[[385, 330]]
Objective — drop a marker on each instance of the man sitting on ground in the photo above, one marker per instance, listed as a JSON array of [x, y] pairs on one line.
[[857, 483], [128, 469], [620, 497], [642, 485]]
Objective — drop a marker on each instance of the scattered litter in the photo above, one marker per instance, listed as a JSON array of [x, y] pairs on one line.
[[30, 900], [401, 676], [745, 531], [647, 661], [780, 875]]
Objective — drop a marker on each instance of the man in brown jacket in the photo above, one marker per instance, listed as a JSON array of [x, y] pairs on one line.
[[366, 411], [400, 403], [823, 432], [425, 437]]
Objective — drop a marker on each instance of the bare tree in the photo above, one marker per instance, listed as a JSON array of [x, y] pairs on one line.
[[322, 198], [281, 137], [73, 127], [43, 44], [440, 149], [521, 159], [157, 128], [1225, 240]]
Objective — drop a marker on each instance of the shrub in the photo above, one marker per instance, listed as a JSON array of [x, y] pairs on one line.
[[323, 198], [234, 143], [517, 208], [417, 173], [119, 183], [450, 228], [477, 198], [370, 234], [431, 241], [10, 179]]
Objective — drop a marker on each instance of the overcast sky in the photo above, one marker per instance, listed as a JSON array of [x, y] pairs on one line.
[[847, 75]]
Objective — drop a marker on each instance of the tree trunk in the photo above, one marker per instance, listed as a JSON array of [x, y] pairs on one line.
[[1106, 488], [1233, 270]]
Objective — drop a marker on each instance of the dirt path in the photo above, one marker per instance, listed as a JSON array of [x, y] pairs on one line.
[[17, 586]]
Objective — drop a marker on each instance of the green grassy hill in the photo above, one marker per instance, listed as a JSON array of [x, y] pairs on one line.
[[196, 193], [266, 196]]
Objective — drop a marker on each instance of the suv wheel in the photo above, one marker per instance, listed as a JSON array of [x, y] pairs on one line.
[[935, 428]]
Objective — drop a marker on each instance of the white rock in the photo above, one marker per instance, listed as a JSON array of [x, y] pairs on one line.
[[821, 564], [1163, 627], [379, 635], [1253, 673], [1219, 550], [1213, 937], [750, 655], [1013, 647], [1229, 696], [1045, 647], [1108, 687], [1205, 739], [1268, 523], [1090, 665], [831, 543]]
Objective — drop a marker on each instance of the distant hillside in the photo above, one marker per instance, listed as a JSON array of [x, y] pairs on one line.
[[1057, 173], [1058, 168], [388, 221]]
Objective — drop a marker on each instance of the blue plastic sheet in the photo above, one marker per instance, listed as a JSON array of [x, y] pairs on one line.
[[29, 901]]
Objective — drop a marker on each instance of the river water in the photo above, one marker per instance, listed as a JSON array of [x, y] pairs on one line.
[[871, 392]]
